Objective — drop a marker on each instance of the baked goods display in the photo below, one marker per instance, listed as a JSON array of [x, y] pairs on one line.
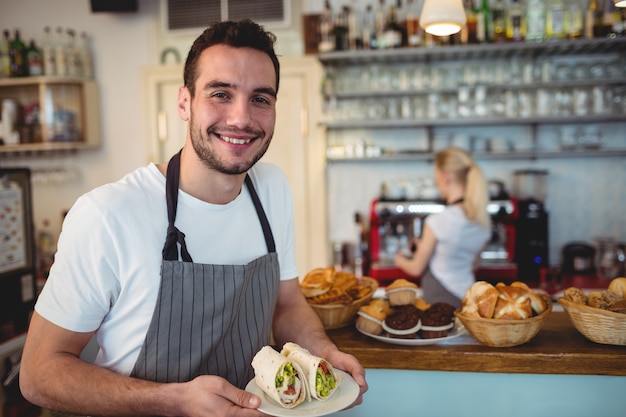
[[600, 316], [611, 299], [336, 295], [506, 302], [405, 315], [503, 315], [327, 286]]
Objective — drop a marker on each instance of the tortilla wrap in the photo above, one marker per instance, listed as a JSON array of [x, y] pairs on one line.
[[268, 364], [321, 377]]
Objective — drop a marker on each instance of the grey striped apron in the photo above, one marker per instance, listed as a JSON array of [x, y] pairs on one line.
[[208, 319]]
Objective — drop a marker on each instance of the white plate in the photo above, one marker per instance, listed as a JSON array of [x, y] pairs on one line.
[[456, 331], [345, 395]]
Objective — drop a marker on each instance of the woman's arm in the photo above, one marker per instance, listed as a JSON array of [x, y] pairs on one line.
[[416, 265]]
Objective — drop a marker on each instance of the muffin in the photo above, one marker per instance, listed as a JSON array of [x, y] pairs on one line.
[[437, 321], [370, 319], [401, 292], [403, 322]]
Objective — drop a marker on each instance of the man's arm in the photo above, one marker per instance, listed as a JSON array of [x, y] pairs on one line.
[[52, 375], [295, 321]]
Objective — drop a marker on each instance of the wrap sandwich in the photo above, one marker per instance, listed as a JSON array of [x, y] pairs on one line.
[[320, 375], [282, 379]]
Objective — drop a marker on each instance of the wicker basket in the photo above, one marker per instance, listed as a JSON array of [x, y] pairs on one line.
[[597, 325], [504, 333], [335, 316]]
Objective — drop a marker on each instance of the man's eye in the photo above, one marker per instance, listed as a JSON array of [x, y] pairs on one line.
[[261, 100], [220, 95]]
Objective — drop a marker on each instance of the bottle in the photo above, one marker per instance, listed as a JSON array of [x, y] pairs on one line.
[[392, 31], [72, 56], [340, 30], [483, 22], [413, 30], [34, 59], [327, 40], [555, 19], [354, 31], [536, 21], [468, 32], [368, 26], [607, 20], [380, 20], [59, 52], [515, 22], [17, 55], [49, 52], [86, 57], [498, 19], [5, 58], [573, 20]]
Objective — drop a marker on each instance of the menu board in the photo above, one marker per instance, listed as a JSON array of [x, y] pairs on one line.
[[16, 238]]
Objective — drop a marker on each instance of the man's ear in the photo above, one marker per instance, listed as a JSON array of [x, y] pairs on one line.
[[184, 103]]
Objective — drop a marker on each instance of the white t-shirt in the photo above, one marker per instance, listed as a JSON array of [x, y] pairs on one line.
[[458, 242], [106, 273]]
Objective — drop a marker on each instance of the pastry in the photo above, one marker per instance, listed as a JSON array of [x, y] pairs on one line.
[[317, 281], [619, 307], [371, 318], [536, 302], [513, 303], [421, 304], [480, 300], [575, 295], [602, 299], [618, 286], [437, 321], [401, 292], [403, 322]]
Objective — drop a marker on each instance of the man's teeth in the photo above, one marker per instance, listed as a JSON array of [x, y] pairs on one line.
[[236, 141]]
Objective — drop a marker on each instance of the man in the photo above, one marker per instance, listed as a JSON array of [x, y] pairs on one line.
[[216, 226]]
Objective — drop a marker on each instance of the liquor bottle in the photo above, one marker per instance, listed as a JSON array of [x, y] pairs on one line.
[[49, 52], [607, 20], [59, 52], [327, 40], [354, 31], [468, 32], [5, 59], [340, 30], [515, 22], [72, 56], [573, 20], [17, 55], [555, 19], [368, 27], [498, 19], [34, 59], [413, 29], [379, 23], [536, 21], [392, 32], [86, 56], [483, 22]]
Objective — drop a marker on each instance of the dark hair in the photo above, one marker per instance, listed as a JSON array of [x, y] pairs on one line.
[[242, 34]]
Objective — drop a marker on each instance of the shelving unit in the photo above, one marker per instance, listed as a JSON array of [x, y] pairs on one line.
[[541, 61], [68, 114]]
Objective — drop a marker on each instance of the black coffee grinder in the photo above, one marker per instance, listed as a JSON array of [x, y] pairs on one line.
[[531, 231]]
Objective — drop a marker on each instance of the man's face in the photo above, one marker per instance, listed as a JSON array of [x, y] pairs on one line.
[[232, 115]]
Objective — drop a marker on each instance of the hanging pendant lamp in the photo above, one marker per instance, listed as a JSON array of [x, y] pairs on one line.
[[442, 17]]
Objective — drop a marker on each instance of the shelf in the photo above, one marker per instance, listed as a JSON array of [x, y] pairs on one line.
[[474, 121], [518, 155], [468, 52], [47, 147]]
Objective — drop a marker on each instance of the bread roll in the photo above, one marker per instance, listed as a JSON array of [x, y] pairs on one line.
[[618, 286], [513, 303], [575, 295], [480, 300], [536, 302]]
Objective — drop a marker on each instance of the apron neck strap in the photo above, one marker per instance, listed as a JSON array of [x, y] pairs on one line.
[[265, 224], [174, 236]]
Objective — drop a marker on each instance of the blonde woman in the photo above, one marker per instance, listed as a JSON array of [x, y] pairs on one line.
[[448, 251]]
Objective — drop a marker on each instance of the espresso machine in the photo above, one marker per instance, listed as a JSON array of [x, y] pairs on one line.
[[531, 239]]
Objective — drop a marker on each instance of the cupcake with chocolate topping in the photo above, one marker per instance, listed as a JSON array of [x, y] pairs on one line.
[[437, 321], [403, 322]]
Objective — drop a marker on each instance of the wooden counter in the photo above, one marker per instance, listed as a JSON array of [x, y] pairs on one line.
[[557, 349]]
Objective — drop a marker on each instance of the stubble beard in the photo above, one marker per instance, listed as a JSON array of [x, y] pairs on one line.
[[212, 160]]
